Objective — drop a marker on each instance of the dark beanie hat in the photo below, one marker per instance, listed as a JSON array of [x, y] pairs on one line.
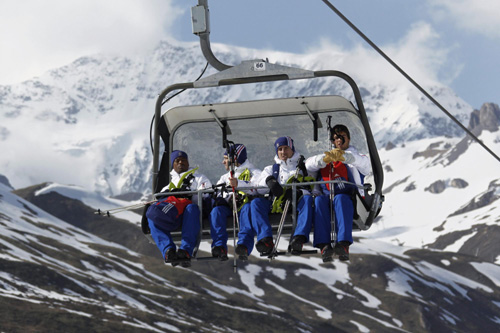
[[175, 154], [284, 141], [239, 151]]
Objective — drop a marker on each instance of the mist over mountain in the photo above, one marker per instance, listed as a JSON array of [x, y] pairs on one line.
[[88, 123]]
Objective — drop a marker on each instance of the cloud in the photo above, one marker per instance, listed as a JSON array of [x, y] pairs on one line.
[[420, 53], [477, 16], [39, 35]]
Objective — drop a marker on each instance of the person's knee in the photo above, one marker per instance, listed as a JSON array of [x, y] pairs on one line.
[[342, 199], [308, 200], [192, 209]]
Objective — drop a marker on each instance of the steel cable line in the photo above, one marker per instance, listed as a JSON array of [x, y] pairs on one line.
[[408, 77]]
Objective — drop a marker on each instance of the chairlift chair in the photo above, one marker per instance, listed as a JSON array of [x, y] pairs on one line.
[[202, 130]]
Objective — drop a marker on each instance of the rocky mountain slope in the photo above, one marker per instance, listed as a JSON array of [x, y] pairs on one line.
[[76, 275]]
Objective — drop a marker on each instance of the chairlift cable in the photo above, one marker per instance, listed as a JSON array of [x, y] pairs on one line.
[[422, 90], [165, 101]]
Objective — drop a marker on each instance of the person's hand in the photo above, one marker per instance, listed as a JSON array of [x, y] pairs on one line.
[[334, 155], [274, 186], [220, 201], [233, 182], [328, 157]]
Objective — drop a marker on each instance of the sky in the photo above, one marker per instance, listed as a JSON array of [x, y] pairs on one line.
[[457, 41]]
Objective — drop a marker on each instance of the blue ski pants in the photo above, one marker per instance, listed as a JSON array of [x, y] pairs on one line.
[[344, 212], [255, 222], [304, 216], [190, 231], [218, 222]]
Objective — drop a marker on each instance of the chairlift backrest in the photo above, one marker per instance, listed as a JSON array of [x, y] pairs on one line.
[[200, 129]]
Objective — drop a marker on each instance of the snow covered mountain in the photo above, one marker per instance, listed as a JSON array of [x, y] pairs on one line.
[[84, 272], [88, 123], [430, 262]]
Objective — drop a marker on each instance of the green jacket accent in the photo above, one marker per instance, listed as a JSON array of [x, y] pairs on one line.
[[179, 184], [278, 203], [242, 198]]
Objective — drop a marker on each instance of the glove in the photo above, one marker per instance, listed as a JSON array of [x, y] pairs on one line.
[[288, 195], [302, 166], [274, 186], [334, 155], [219, 201], [328, 157]]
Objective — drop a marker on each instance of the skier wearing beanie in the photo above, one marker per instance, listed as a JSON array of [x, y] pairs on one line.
[[342, 163], [245, 175], [182, 178], [280, 173]]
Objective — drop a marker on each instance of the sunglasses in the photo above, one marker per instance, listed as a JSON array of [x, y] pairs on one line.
[[335, 137]]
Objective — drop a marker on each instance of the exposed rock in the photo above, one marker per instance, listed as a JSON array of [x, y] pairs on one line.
[[426, 153], [390, 146], [443, 241], [480, 201], [437, 187], [440, 227], [487, 118], [430, 151], [460, 148], [458, 183], [410, 187], [483, 244], [5, 181], [399, 182], [435, 145], [388, 168]]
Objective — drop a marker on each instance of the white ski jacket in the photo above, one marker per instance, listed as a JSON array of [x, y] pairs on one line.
[[254, 176], [199, 182], [359, 165], [287, 170]]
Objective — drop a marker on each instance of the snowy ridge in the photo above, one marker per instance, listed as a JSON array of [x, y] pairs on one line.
[[418, 211], [93, 116], [376, 290]]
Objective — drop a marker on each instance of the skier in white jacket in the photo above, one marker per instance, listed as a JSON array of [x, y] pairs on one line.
[[244, 176], [346, 163], [183, 178], [283, 172]]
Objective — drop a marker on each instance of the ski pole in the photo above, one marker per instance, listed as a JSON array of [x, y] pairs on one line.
[[236, 222], [332, 211], [116, 210], [333, 235], [274, 252]]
